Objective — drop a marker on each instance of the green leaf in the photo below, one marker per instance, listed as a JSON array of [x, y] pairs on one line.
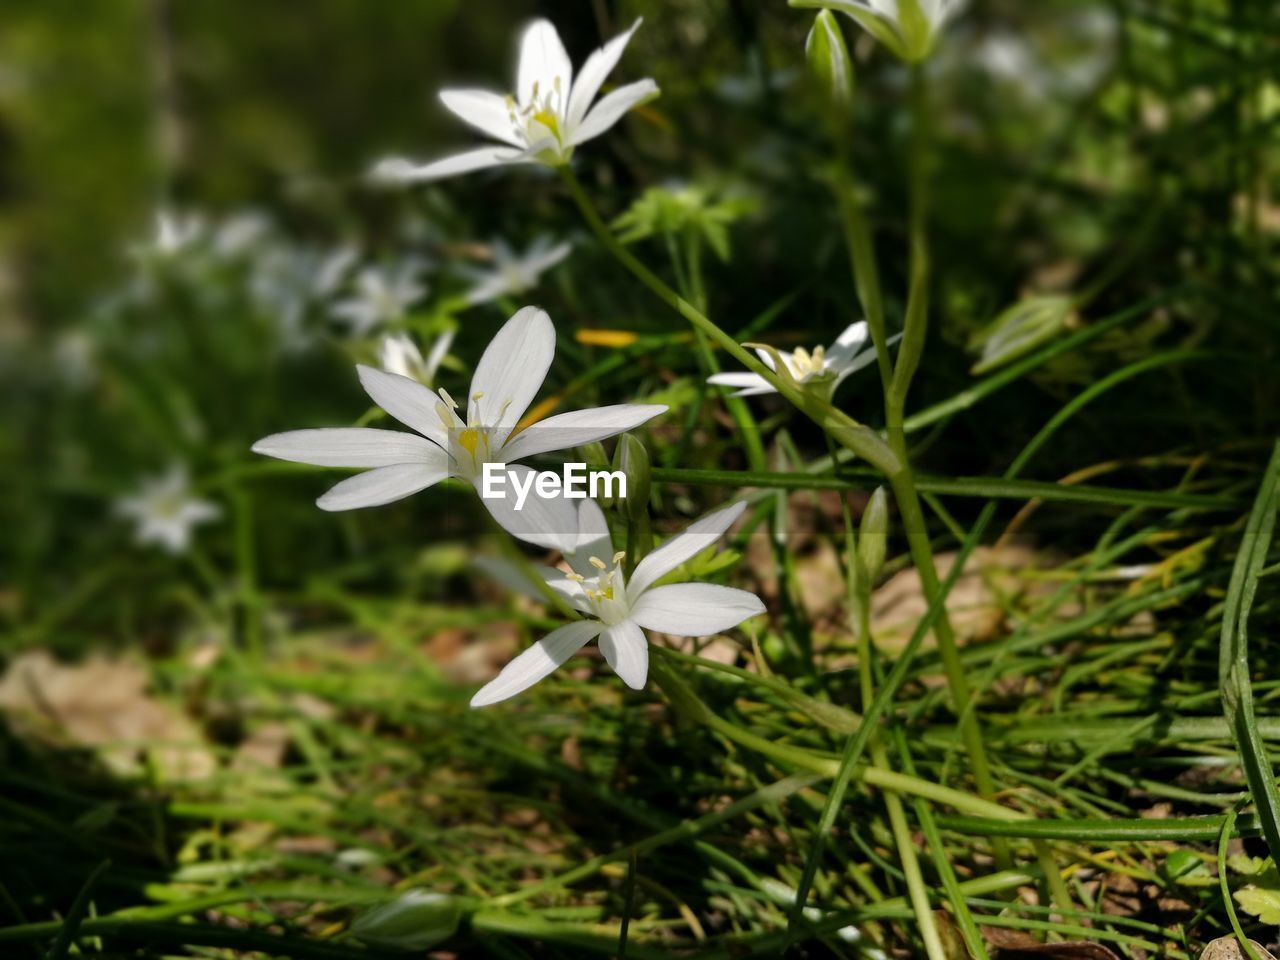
[[1262, 902], [1233, 656]]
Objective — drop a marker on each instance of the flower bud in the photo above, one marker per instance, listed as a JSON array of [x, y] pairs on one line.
[[1020, 329], [917, 30], [830, 62], [413, 922], [873, 535], [595, 455], [632, 459]]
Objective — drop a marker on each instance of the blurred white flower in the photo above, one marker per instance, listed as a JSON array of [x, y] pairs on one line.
[[288, 281], [824, 366], [75, 358], [173, 233], [907, 27], [618, 610], [382, 294], [509, 375], [548, 116], [165, 512], [239, 233], [399, 354], [514, 273]]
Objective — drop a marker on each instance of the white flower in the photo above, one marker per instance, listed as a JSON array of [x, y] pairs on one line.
[[514, 273], [75, 358], [240, 233], [288, 281], [381, 295], [908, 27], [505, 382], [165, 512], [827, 367], [549, 115], [174, 233], [618, 610], [399, 354]]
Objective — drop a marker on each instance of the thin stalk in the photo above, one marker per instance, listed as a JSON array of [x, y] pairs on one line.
[[903, 482], [858, 611], [861, 440], [687, 702]]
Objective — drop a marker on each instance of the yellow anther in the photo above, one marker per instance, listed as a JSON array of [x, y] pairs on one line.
[[448, 399], [469, 439], [596, 562], [619, 557], [575, 577]]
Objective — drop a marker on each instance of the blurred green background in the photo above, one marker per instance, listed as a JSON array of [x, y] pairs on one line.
[[1119, 153]]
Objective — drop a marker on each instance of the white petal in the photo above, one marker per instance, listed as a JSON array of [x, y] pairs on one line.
[[383, 485], [626, 649], [439, 350], [396, 170], [512, 369], [598, 66], [749, 383], [567, 430], [864, 359], [513, 578], [538, 661], [611, 109], [407, 400], [486, 111], [849, 342], [350, 447], [539, 263], [550, 522], [683, 546], [542, 62], [694, 609], [593, 539]]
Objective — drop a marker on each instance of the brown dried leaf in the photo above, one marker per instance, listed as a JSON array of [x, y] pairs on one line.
[[104, 704]]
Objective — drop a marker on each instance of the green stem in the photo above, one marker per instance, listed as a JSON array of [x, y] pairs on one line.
[[903, 481], [863, 441], [686, 701]]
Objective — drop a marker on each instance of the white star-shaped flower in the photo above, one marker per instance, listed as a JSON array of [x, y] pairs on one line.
[[550, 114], [400, 354], [509, 375], [287, 282], [165, 512], [825, 367], [513, 273], [381, 295], [618, 609]]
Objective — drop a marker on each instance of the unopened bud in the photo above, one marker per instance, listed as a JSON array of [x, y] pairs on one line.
[[873, 535], [829, 60], [632, 459], [1020, 329], [413, 922]]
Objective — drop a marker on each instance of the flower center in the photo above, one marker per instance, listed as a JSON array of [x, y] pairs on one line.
[[606, 592], [471, 441], [542, 115], [805, 365]]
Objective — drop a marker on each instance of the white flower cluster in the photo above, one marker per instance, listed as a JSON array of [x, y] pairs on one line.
[[551, 113]]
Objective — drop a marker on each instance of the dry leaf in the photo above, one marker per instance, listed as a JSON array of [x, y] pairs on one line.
[[1228, 948], [104, 704]]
